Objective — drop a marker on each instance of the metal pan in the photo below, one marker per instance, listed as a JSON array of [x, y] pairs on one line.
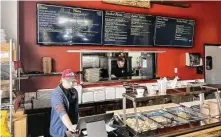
[[186, 113], [164, 118]]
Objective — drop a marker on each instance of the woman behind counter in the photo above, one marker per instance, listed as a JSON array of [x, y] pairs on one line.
[[64, 103]]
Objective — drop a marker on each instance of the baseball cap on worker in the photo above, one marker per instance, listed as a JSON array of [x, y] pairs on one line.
[[68, 74]]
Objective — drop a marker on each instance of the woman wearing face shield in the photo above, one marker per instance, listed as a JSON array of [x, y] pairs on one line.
[[64, 103]]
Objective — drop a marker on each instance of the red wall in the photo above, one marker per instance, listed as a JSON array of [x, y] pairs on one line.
[[207, 30]]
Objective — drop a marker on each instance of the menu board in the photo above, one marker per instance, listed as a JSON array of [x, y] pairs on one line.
[[174, 32], [68, 25], [128, 29], [141, 30], [116, 28], [63, 25]]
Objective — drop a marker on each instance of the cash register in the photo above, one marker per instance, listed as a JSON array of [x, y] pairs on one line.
[[96, 125], [102, 125]]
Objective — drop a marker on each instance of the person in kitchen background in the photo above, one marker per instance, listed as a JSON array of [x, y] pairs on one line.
[[119, 68], [64, 103]]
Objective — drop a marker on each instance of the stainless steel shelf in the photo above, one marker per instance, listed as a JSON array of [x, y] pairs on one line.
[[9, 73], [16, 78], [35, 75]]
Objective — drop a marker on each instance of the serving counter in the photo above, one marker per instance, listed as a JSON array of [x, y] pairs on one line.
[[139, 118], [205, 125], [168, 119], [170, 125]]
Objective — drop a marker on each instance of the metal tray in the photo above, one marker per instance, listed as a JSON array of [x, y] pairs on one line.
[[164, 118], [145, 124], [151, 122], [196, 108], [148, 121], [186, 113]]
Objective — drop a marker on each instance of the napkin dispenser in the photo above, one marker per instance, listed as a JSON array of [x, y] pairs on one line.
[[193, 60]]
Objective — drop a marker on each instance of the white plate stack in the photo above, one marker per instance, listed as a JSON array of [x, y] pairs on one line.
[[119, 91], [88, 96], [43, 99], [3, 36], [110, 93], [99, 95]]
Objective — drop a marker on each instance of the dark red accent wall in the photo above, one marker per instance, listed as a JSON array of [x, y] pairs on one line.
[[207, 30]]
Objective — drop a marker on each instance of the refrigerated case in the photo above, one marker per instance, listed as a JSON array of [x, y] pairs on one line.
[[212, 63], [159, 121]]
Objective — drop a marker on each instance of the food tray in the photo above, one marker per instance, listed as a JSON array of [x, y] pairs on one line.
[[150, 122], [196, 108], [164, 118], [186, 113], [145, 124], [159, 118]]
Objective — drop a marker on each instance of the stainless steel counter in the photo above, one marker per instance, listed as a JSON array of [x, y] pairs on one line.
[[190, 90]]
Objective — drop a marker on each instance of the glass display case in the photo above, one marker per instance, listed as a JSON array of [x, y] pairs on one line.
[[140, 122]]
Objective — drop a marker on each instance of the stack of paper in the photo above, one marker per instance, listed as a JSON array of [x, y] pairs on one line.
[[92, 74]]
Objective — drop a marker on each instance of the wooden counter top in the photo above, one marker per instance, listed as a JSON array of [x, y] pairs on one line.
[[210, 132], [187, 130]]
